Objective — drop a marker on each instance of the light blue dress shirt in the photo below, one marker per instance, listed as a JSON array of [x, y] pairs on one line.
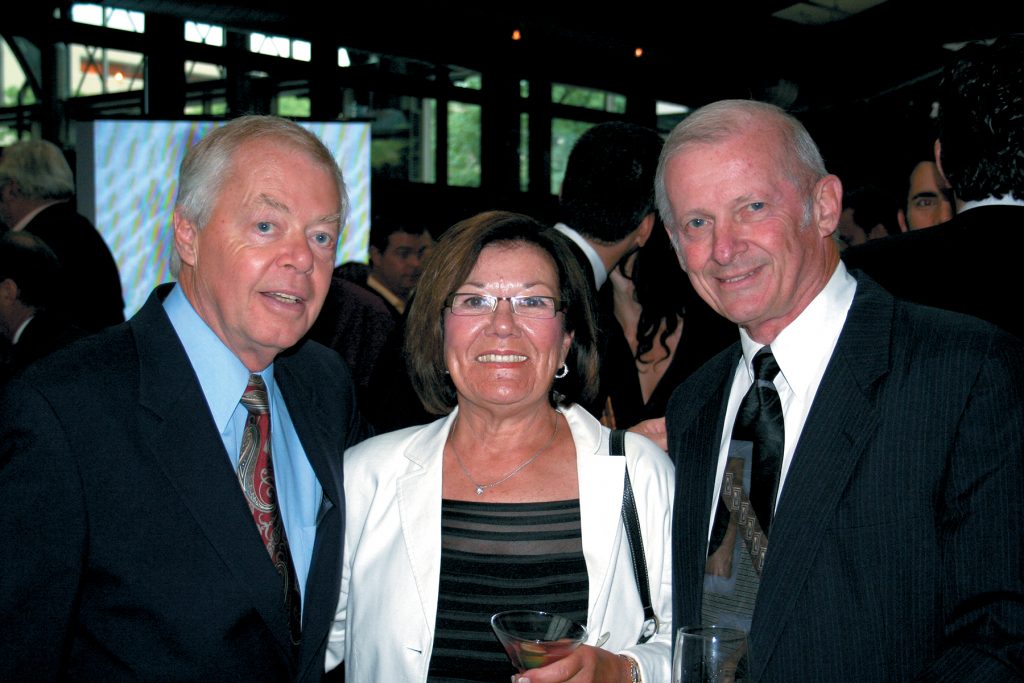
[[223, 379]]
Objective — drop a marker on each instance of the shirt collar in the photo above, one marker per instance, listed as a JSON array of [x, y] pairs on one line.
[[600, 272], [1006, 200], [389, 296], [221, 375], [803, 348], [21, 328], [27, 218]]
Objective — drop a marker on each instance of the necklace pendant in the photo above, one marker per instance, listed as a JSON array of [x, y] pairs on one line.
[[479, 490]]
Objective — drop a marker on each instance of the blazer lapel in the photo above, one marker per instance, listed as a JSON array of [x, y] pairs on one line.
[[839, 427], [419, 506], [601, 479], [185, 445]]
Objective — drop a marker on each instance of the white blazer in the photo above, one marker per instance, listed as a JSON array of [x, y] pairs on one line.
[[384, 627]]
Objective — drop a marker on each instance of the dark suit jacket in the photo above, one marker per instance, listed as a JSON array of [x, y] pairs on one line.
[[896, 549], [130, 552], [45, 333], [970, 264], [90, 291]]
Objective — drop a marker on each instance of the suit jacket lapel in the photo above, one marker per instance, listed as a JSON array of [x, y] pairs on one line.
[[696, 437], [839, 427], [325, 457], [186, 446]]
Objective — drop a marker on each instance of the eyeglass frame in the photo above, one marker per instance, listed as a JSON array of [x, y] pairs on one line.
[[559, 305]]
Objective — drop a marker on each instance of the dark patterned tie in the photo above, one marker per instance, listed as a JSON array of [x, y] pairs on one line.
[[759, 421], [256, 475]]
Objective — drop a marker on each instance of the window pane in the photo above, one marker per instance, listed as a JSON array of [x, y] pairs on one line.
[[199, 72], [428, 141], [280, 46], [589, 98], [464, 78], [524, 152], [207, 34], [95, 70], [564, 134], [120, 19], [463, 144], [404, 144], [13, 79], [293, 106], [669, 114]]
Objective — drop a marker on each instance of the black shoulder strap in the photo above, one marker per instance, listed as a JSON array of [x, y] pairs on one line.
[[631, 522]]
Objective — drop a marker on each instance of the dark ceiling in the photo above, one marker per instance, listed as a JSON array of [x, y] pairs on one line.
[[693, 52], [860, 84]]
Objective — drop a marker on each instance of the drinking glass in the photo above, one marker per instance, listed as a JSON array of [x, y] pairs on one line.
[[711, 654], [532, 639]]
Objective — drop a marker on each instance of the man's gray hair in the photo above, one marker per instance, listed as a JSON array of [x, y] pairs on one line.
[[207, 165], [39, 168], [717, 122]]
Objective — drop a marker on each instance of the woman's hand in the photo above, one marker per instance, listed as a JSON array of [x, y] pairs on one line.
[[586, 664]]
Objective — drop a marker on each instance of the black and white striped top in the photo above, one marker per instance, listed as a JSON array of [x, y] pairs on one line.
[[497, 557]]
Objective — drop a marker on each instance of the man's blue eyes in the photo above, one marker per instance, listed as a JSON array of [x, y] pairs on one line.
[[321, 238], [757, 206]]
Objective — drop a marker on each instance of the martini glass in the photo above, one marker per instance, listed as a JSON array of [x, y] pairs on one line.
[[533, 639]]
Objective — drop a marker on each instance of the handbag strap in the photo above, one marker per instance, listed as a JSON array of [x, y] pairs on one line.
[[631, 522]]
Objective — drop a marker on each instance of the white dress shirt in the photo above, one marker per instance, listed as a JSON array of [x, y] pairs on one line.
[[802, 350], [600, 272]]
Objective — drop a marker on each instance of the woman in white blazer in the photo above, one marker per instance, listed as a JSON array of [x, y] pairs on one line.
[[501, 314]]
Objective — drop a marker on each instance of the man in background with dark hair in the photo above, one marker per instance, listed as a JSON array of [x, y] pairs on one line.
[[606, 206], [397, 250], [969, 264], [36, 189], [28, 280]]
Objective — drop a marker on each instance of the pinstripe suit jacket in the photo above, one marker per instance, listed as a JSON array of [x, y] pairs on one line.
[[896, 550]]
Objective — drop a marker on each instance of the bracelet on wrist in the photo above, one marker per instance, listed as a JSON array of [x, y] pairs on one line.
[[634, 669]]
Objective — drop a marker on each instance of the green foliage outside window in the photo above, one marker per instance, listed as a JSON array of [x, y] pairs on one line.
[[463, 144], [602, 100], [564, 134]]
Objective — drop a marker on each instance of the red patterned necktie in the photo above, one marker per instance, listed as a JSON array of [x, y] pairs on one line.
[[256, 475]]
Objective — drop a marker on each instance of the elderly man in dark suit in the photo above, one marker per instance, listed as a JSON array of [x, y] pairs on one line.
[[171, 488], [36, 191], [849, 475]]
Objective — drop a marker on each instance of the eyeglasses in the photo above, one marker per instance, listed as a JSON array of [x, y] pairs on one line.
[[523, 306]]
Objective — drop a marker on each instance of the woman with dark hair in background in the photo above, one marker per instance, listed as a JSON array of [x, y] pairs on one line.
[[665, 332]]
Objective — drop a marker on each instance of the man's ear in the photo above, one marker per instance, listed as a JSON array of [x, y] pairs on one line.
[[901, 218], [375, 256], [827, 204], [8, 290], [643, 231], [186, 239]]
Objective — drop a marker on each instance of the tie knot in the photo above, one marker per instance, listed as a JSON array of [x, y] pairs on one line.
[[255, 397], [765, 367]]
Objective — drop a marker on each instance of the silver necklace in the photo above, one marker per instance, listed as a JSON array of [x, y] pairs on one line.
[[480, 488]]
